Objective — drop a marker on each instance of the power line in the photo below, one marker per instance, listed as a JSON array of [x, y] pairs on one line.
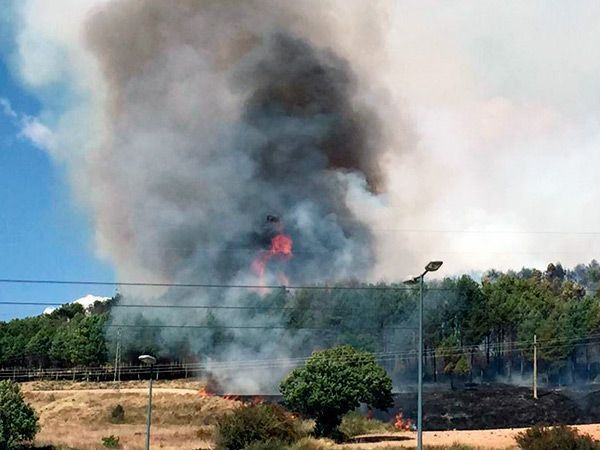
[[246, 364], [256, 327], [370, 287], [216, 286], [284, 308], [255, 364]]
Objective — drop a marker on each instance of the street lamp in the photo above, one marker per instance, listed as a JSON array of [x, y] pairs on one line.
[[430, 267], [149, 361]]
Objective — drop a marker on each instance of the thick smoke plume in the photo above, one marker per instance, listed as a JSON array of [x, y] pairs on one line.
[[221, 115], [218, 117]]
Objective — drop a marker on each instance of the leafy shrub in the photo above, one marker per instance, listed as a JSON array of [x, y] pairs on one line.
[[355, 424], [117, 415], [111, 441], [334, 382], [18, 421], [250, 424], [555, 438]]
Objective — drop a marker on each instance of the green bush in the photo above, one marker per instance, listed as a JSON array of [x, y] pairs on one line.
[[111, 441], [355, 424], [253, 424], [555, 438], [334, 382], [18, 421]]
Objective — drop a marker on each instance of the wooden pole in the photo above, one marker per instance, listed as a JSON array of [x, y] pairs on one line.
[[535, 395]]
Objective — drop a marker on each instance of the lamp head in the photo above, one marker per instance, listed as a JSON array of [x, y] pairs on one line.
[[411, 281], [433, 266], [147, 359]]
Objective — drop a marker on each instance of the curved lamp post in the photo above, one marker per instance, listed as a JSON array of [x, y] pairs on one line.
[[430, 267]]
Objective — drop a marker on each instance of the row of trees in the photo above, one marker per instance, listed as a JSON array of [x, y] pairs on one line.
[[493, 323], [473, 328], [69, 336]]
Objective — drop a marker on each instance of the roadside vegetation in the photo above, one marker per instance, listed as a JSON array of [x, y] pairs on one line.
[[356, 424], [334, 382], [18, 420], [555, 438]]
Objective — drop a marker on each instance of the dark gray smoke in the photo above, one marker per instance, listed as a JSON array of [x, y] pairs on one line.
[[218, 115]]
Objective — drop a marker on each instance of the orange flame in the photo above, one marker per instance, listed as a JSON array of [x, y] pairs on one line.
[[402, 424], [281, 248], [205, 393]]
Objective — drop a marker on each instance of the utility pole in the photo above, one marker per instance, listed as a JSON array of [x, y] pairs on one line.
[[118, 357], [118, 349], [535, 396]]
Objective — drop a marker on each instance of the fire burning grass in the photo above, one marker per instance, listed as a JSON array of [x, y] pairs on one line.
[[403, 424], [205, 392]]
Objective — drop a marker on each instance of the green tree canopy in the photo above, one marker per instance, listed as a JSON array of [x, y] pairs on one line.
[[334, 382], [18, 421]]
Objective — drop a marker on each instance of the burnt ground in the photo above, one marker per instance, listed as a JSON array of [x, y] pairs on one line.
[[490, 406], [497, 406]]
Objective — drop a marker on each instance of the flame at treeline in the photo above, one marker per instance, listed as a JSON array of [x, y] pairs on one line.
[[279, 251]]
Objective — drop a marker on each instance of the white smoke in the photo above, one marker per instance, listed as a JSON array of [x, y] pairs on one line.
[[502, 98]]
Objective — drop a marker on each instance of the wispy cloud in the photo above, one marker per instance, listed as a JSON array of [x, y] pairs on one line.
[[30, 127], [37, 133], [7, 108]]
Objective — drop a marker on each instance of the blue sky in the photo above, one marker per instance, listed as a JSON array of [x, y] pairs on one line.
[[43, 234]]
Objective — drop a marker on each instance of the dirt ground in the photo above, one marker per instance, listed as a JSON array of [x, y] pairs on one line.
[[77, 416], [484, 439]]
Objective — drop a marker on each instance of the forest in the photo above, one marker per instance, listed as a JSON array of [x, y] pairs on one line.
[[475, 329]]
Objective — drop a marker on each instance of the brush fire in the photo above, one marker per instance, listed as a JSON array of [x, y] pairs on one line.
[[401, 423], [205, 392]]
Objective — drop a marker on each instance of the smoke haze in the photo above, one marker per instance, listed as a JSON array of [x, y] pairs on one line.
[[383, 134]]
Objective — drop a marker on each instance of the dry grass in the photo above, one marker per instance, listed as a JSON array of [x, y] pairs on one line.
[[78, 415], [49, 385], [80, 418]]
